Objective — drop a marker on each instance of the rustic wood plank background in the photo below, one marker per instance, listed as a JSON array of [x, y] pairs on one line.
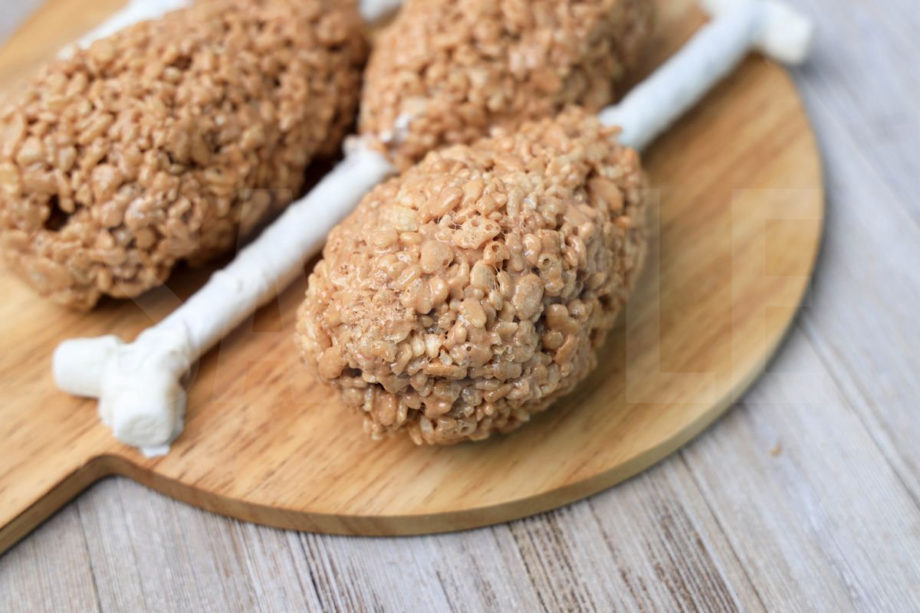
[[806, 496]]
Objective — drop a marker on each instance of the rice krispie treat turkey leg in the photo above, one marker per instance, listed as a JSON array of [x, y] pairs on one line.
[[542, 54], [169, 139], [446, 71]]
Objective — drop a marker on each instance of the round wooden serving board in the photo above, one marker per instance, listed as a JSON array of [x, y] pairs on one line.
[[736, 233]]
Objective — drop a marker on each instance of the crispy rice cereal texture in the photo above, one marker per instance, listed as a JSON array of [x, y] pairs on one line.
[[458, 67], [470, 292], [170, 139]]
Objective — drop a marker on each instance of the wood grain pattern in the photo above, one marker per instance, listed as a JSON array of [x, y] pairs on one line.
[[737, 234], [778, 505]]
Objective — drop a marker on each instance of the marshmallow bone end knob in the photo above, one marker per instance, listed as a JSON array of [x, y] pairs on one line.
[[740, 26], [138, 385], [150, 410], [78, 364], [782, 33]]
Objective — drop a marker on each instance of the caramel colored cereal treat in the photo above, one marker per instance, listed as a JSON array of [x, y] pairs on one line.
[[445, 71], [472, 291], [170, 139]]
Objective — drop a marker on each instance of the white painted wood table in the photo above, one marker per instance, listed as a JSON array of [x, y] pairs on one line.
[[805, 496]]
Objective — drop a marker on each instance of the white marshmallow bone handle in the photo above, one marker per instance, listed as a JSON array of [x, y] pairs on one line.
[[136, 11], [139, 384], [375, 10], [740, 26]]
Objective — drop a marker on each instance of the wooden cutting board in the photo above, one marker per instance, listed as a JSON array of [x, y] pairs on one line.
[[737, 230]]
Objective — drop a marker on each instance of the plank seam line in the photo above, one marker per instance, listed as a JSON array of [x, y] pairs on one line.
[[728, 540], [836, 379], [89, 559], [306, 557], [855, 151]]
